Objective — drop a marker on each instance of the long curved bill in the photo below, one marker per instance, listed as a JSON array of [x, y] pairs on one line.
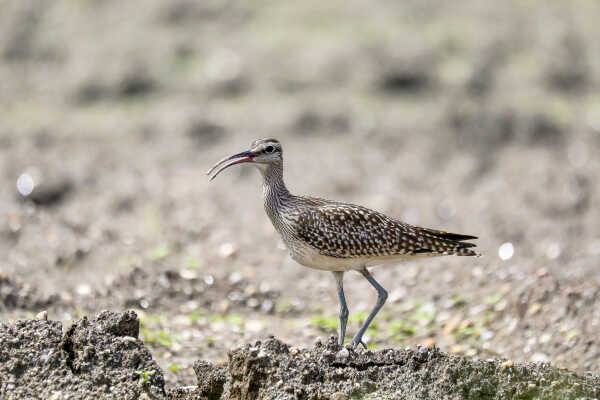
[[244, 156]]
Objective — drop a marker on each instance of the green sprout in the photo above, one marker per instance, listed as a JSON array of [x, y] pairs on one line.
[[160, 252], [401, 330], [145, 375], [325, 323]]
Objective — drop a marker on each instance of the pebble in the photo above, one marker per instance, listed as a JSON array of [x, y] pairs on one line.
[[294, 351], [452, 324], [545, 338], [188, 274], [42, 316], [534, 309], [339, 396], [507, 364], [342, 355], [57, 395], [84, 290], [506, 251], [227, 250], [128, 339], [539, 357]]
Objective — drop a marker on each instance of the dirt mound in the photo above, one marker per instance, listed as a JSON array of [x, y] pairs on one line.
[[103, 358], [272, 370], [99, 358]]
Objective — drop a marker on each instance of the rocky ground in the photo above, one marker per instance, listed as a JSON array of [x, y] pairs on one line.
[[481, 118], [105, 358]]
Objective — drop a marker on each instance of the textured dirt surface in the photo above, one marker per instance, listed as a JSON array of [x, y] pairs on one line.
[[99, 358], [479, 118], [273, 370], [104, 358]]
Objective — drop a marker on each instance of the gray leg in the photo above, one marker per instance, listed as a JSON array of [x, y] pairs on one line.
[[381, 298], [339, 277]]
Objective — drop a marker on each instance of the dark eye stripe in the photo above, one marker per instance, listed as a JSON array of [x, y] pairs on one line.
[[269, 149]]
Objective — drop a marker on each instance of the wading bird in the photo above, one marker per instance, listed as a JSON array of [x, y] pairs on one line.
[[339, 237]]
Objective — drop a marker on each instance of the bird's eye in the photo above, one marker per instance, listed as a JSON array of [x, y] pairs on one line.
[[269, 149]]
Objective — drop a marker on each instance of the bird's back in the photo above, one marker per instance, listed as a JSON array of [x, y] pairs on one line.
[[350, 233]]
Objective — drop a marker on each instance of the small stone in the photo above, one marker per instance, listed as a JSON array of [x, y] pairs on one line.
[[84, 290], [532, 385], [541, 272], [545, 338], [57, 395], [534, 309], [339, 396], [452, 324], [539, 357], [457, 349], [227, 250], [507, 364], [471, 352], [188, 274], [294, 351], [342, 355], [506, 251], [42, 316]]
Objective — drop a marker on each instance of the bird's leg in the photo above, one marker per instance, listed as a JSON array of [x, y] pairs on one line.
[[339, 277], [381, 298]]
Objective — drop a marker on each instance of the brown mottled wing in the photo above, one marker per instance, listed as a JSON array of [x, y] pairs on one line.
[[349, 231]]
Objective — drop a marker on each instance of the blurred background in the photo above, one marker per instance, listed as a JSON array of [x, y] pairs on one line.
[[481, 118]]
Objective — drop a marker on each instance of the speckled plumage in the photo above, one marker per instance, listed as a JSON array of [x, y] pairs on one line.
[[347, 232], [339, 237]]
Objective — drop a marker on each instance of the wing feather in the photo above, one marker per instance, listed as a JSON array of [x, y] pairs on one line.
[[348, 231]]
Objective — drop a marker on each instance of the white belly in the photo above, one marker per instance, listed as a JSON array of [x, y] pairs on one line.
[[309, 257]]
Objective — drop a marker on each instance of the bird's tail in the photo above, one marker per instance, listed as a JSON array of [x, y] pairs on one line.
[[454, 243]]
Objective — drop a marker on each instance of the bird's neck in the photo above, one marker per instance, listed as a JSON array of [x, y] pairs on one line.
[[274, 191]]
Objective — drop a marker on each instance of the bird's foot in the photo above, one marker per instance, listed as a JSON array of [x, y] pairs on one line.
[[354, 344]]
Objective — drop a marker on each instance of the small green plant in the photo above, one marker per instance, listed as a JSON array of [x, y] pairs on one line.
[[191, 262], [149, 319], [458, 301], [572, 334], [160, 337], [161, 252], [174, 368], [235, 319], [425, 314], [492, 300], [359, 317], [284, 306], [145, 375], [401, 330], [325, 323], [195, 315]]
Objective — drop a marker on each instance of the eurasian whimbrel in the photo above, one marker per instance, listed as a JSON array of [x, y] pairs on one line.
[[339, 237]]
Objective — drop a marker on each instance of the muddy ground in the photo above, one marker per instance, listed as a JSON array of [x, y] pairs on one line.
[[477, 118], [105, 358]]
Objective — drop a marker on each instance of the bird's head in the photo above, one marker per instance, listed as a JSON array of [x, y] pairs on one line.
[[262, 153]]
